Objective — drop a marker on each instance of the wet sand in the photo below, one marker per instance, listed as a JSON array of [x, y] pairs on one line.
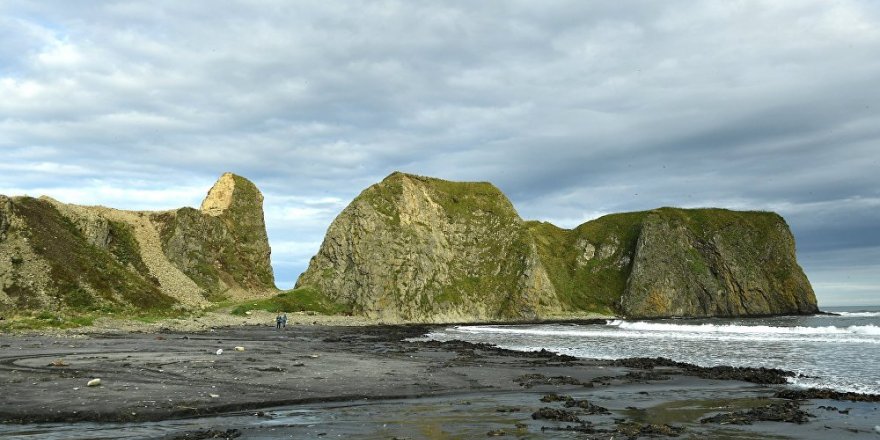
[[311, 381]]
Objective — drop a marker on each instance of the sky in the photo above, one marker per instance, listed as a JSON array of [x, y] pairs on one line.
[[574, 109]]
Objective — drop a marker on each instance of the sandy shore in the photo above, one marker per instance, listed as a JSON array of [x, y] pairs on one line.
[[321, 381]]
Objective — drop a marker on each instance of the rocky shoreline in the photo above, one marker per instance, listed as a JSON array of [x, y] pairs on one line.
[[248, 379]]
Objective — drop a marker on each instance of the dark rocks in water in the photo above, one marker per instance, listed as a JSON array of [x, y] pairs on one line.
[[584, 427], [559, 415], [633, 429], [570, 402], [602, 380], [788, 412], [587, 407], [530, 380], [834, 408], [823, 393], [761, 375], [544, 353], [203, 434], [489, 349], [553, 397], [646, 363], [644, 376]]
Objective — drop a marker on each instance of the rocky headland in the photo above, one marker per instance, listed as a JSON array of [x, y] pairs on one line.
[[421, 249]]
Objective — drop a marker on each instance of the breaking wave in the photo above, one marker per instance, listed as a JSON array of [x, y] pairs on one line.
[[650, 330], [857, 314], [871, 330]]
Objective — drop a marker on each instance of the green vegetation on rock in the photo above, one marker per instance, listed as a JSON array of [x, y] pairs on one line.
[[296, 300], [84, 276]]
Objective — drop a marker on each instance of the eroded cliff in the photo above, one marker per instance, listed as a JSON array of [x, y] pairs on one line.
[[56, 256], [414, 248], [714, 262]]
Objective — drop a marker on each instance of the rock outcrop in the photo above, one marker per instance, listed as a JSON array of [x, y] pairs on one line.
[[56, 256], [414, 248], [678, 262], [715, 262]]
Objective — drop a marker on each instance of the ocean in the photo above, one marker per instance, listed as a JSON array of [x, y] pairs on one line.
[[841, 352]]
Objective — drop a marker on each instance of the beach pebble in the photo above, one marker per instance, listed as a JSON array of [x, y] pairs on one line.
[[249, 313], [219, 351], [94, 383], [239, 348], [214, 396]]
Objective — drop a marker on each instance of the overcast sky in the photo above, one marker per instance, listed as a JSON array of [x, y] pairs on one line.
[[574, 109]]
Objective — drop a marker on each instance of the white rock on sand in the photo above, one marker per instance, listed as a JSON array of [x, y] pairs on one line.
[[94, 383]]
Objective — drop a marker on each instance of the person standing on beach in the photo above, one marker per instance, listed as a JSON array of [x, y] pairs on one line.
[[284, 320], [278, 322]]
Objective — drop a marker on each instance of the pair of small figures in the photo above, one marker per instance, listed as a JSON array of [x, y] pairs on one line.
[[281, 321]]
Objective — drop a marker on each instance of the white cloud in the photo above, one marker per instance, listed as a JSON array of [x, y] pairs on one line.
[[116, 197]]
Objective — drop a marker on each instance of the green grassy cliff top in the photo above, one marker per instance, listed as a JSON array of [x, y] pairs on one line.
[[456, 198]]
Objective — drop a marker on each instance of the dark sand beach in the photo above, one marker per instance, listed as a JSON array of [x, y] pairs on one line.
[[310, 381]]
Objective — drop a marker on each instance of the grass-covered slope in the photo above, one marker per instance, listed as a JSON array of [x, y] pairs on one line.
[[589, 265], [305, 299], [54, 266]]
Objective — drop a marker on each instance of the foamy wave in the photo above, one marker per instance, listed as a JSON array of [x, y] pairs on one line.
[[530, 331], [870, 330], [837, 384], [858, 314]]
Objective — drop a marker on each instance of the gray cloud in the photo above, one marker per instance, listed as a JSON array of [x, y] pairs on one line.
[[574, 109]]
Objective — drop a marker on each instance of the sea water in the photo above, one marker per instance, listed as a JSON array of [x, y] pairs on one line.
[[840, 351]]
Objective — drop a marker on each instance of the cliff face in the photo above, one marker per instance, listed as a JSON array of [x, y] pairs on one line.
[[58, 256], [412, 248], [715, 263], [223, 246], [420, 249]]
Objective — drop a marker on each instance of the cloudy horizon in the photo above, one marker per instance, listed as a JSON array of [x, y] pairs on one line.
[[573, 109]]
